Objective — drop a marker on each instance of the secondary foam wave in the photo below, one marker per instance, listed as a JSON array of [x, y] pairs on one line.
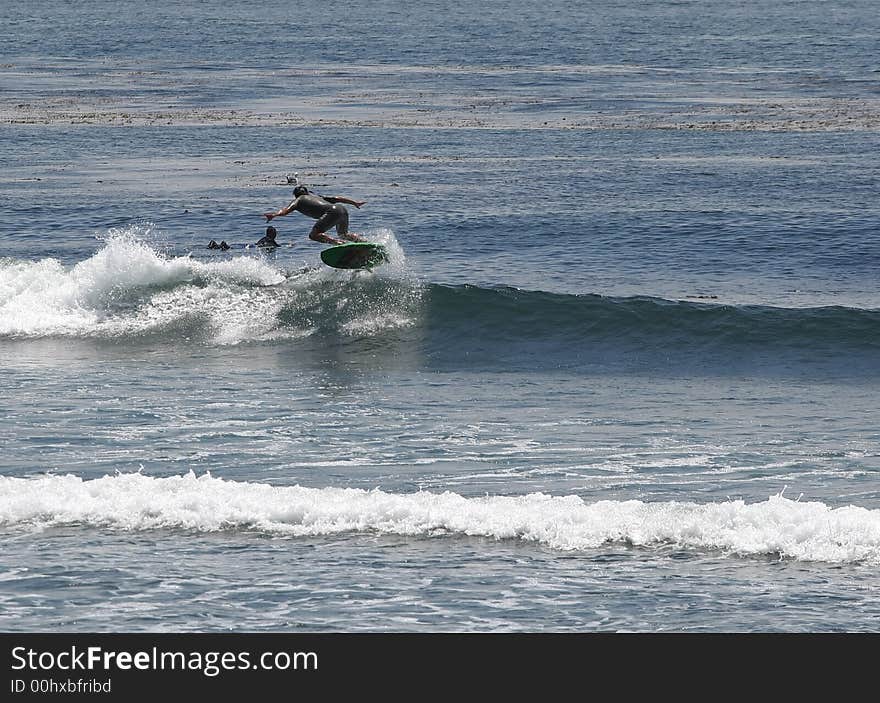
[[805, 531]]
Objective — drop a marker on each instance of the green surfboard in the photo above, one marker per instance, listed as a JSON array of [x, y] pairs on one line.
[[357, 255]]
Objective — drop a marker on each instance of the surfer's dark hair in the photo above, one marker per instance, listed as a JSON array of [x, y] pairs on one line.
[[270, 230], [300, 190]]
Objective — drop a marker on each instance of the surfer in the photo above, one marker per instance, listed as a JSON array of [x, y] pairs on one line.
[[268, 242], [328, 210], [222, 245]]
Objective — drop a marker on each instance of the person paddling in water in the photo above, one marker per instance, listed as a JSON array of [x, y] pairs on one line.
[[328, 210], [269, 241]]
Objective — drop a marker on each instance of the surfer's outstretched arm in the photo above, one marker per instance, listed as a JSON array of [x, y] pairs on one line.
[[345, 201], [282, 212]]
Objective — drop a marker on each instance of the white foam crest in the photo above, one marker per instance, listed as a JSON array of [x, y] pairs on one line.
[[45, 298], [41, 298], [125, 262], [808, 531]]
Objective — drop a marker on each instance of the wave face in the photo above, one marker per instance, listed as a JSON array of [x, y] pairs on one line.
[[128, 290], [809, 531], [573, 330]]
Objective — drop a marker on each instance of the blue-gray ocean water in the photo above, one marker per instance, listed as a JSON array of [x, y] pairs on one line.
[[621, 373]]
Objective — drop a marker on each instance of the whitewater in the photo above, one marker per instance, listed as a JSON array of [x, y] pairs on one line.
[[777, 527], [129, 288]]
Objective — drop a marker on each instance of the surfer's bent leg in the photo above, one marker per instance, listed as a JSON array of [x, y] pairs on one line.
[[341, 220], [319, 236], [342, 227], [319, 230]]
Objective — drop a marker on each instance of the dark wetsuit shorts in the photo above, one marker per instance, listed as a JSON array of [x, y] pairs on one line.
[[336, 216]]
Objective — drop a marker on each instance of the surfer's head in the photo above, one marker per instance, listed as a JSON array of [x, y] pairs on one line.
[[300, 190], [271, 232]]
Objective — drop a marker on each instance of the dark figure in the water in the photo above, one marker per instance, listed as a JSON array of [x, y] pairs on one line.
[[268, 242], [222, 245]]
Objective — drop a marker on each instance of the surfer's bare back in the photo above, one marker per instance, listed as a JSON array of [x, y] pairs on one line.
[[329, 211]]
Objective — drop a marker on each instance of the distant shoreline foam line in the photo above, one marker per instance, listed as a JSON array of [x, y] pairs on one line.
[[788, 529]]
